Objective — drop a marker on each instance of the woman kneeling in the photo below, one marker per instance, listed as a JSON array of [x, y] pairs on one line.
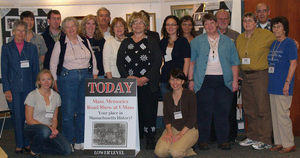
[[180, 115], [41, 108]]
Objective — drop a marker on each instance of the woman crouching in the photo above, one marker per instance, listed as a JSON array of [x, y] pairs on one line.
[[41, 108], [180, 118]]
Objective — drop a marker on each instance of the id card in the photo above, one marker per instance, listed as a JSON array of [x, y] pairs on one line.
[[168, 57], [24, 63], [49, 114], [271, 69], [246, 61], [177, 115], [213, 58]]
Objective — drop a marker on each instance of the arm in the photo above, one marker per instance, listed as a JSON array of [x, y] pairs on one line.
[[186, 66], [42, 58], [121, 58], [169, 136], [35, 64], [5, 69], [157, 59], [292, 69], [95, 70], [235, 74], [180, 135], [44, 49], [186, 50], [190, 75], [107, 52]]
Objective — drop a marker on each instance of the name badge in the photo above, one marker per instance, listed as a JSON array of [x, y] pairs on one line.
[[213, 58], [24, 63], [177, 115], [246, 61], [271, 69], [49, 114]]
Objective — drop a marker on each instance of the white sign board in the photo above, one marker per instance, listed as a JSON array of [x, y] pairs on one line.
[[111, 118]]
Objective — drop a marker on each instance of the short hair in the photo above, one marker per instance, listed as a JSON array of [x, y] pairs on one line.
[[164, 32], [19, 23], [184, 19], [114, 22], [178, 74], [262, 4], [43, 71], [70, 18], [222, 10], [103, 8], [138, 15], [249, 14], [27, 14], [52, 11], [284, 21], [145, 14], [98, 35], [208, 16]]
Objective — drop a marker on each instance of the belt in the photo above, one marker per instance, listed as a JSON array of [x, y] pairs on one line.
[[252, 71]]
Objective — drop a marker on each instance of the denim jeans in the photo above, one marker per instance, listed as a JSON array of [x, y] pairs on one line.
[[71, 85], [39, 134], [163, 89]]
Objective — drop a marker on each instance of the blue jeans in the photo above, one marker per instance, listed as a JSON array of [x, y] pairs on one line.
[[71, 85], [39, 134], [213, 100], [18, 117], [163, 89]]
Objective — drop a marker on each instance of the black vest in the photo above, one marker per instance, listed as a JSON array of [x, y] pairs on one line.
[[63, 47]]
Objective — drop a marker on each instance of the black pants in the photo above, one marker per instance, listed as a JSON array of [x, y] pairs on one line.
[[147, 107]]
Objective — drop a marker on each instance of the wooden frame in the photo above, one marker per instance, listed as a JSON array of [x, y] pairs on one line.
[[152, 21], [182, 10]]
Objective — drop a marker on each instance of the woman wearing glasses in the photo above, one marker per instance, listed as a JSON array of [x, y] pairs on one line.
[[176, 50], [139, 57], [72, 62]]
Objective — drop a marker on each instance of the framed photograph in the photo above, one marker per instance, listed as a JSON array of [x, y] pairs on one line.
[[40, 24], [9, 22], [79, 18], [152, 21], [182, 10], [109, 134], [198, 19]]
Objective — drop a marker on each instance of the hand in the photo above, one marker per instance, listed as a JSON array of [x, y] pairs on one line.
[[286, 88], [55, 86], [177, 137], [143, 80], [8, 96], [168, 138], [240, 78], [54, 133], [191, 85], [95, 76], [235, 86]]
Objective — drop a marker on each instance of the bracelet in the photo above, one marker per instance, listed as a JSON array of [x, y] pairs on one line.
[[191, 80], [288, 81]]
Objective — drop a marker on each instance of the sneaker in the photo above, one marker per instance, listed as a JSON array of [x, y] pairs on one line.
[[261, 146], [247, 142], [79, 146], [72, 148]]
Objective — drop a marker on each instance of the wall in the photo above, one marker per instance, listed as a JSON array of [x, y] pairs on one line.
[[118, 8]]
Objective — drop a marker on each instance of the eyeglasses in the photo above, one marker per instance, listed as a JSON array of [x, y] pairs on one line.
[[138, 23], [171, 24], [277, 27], [20, 31]]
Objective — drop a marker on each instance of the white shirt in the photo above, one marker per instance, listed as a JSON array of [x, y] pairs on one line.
[[107, 34], [110, 51], [213, 64]]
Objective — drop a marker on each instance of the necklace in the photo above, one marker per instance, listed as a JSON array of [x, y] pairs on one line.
[[171, 43], [274, 52], [213, 45]]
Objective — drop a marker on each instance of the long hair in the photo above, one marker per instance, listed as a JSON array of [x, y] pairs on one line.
[[98, 35]]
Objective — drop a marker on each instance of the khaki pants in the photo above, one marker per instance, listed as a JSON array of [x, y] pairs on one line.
[[256, 104], [181, 148], [282, 123]]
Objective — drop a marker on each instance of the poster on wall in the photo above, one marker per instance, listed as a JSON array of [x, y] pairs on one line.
[[111, 118], [10, 15]]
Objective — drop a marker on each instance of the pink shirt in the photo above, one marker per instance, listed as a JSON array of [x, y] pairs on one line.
[[77, 56], [20, 46]]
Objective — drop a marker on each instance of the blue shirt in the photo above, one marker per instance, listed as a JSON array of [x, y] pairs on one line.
[[281, 61], [228, 56]]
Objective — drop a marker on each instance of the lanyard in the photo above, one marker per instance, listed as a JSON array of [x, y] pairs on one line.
[[274, 52]]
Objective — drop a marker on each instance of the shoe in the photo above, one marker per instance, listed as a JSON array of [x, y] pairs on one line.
[[72, 148], [288, 149], [203, 146], [261, 146], [276, 148], [79, 146], [34, 155], [19, 151], [224, 146], [150, 143], [27, 150], [212, 141], [247, 142]]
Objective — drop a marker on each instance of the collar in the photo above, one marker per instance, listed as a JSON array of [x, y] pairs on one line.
[[78, 38]]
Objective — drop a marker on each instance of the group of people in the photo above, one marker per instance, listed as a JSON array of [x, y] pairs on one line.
[[198, 79]]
